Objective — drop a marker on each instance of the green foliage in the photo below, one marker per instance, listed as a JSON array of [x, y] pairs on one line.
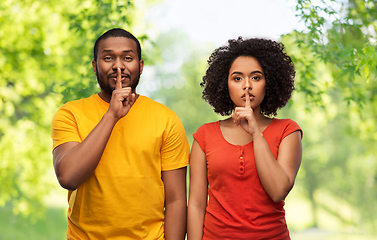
[[335, 104], [45, 60], [177, 77], [344, 38]]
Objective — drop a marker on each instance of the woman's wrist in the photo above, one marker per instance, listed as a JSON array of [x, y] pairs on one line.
[[257, 135]]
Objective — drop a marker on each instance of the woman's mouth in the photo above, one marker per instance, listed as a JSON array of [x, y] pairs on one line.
[[251, 96]]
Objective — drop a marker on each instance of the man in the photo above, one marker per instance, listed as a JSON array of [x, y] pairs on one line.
[[122, 156]]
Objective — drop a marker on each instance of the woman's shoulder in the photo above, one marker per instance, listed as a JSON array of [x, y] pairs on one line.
[[283, 122], [208, 127], [210, 124], [283, 126]]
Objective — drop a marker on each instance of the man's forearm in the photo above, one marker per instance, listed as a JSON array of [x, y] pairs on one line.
[[75, 162], [175, 220]]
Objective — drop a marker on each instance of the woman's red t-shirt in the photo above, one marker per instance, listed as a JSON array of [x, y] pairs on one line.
[[238, 207]]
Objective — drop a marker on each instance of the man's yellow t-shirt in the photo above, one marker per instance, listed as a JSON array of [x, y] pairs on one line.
[[124, 197]]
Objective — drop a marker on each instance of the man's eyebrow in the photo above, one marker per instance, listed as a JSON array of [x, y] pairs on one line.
[[124, 51], [128, 51]]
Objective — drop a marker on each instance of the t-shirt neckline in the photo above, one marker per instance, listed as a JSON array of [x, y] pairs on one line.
[[223, 138], [106, 104]]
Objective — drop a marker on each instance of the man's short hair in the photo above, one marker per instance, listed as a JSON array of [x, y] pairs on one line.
[[116, 32]]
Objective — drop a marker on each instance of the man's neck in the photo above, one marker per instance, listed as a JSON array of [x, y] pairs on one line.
[[106, 97]]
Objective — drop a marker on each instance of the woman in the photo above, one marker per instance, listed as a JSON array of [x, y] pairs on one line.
[[244, 165]]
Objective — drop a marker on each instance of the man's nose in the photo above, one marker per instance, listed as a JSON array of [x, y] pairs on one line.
[[118, 63]]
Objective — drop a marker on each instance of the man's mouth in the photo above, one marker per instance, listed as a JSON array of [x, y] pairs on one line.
[[123, 77]]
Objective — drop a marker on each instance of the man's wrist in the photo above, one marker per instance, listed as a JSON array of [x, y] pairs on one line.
[[110, 118]]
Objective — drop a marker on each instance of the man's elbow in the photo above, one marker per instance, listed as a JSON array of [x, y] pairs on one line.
[[67, 183]]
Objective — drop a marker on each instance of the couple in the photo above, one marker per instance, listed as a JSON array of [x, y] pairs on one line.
[[123, 156]]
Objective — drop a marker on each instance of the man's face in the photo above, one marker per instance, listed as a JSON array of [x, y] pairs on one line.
[[113, 53]]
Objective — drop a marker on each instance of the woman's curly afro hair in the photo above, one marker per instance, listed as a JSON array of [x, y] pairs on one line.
[[277, 66]]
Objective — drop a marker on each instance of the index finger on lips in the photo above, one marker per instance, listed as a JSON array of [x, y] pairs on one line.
[[247, 104], [118, 84]]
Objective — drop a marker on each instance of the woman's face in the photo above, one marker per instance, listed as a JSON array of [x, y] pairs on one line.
[[246, 75]]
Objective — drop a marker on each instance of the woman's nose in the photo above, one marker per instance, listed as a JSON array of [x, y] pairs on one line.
[[246, 84]]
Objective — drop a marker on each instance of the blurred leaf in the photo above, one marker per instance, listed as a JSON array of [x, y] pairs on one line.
[[45, 60]]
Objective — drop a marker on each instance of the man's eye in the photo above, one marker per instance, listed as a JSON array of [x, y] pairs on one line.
[[128, 58], [107, 58]]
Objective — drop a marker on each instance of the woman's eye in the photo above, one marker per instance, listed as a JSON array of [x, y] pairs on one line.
[[256, 78], [237, 78]]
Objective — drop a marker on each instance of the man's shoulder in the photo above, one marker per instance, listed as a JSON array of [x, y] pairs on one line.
[[155, 105], [79, 103]]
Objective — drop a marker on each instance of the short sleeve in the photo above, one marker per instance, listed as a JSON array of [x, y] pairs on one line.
[[64, 127], [199, 136], [175, 150], [291, 127]]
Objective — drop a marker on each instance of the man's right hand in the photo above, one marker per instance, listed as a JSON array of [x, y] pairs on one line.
[[74, 162], [122, 98]]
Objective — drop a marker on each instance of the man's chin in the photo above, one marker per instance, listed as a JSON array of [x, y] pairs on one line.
[[107, 90]]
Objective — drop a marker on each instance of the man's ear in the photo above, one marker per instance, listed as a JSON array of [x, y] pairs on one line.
[[141, 66], [94, 64]]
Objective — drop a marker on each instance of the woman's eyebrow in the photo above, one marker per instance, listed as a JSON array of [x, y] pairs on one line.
[[233, 73], [257, 71]]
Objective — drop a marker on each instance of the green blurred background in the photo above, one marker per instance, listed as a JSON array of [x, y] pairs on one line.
[[45, 61]]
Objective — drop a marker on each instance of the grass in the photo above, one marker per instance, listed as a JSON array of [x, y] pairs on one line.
[[321, 234], [299, 219], [16, 227]]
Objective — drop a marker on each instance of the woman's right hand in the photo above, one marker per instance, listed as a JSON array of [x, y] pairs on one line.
[[244, 116]]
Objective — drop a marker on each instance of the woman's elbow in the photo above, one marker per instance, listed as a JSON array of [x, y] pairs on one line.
[[281, 195], [277, 199]]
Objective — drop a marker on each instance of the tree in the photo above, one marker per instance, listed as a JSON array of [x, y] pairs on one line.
[[335, 59], [347, 43], [45, 60], [176, 79]]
